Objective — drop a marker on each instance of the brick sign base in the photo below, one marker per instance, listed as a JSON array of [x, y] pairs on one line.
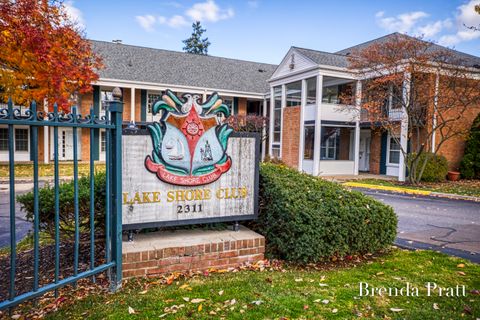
[[168, 251]]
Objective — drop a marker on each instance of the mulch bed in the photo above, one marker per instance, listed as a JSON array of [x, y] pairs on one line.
[[24, 266]]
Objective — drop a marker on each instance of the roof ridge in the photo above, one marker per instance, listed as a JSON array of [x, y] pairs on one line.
[[179, 52], [321, 51], [372, 40]]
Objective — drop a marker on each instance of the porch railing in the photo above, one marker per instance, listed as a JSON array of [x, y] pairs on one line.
[[112, 260]]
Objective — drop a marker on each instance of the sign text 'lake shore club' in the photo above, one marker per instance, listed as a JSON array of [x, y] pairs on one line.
[[189, 166]]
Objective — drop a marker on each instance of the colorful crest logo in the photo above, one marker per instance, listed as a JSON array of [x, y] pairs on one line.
[[190, 140]]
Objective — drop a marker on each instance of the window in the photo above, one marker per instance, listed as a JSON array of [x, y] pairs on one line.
[[338, 94], [276, 152], [229, 103], [21, 139], [309, 142], [294, 94], [328, 148], [103, 141], [312, 90], [330, 94], [394, 151], [3, 139], [151, 99], [335, 143], [105, 95], [277, 114]]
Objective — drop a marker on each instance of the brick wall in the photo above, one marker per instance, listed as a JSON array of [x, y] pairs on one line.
[[375, 151], [242, 106], [126, 104], [86, 102], [454, 148], [220, 255], [138, 105], [290, 136]]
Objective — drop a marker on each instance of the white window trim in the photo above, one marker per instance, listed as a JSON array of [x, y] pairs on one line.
[[388, 151], [15, 141]]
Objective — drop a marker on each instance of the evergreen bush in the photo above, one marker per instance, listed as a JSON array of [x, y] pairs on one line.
[[307, 219]]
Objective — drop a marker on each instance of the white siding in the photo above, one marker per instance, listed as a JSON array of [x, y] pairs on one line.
[[301, 63]]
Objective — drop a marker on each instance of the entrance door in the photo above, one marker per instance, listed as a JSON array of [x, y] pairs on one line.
[[65, 144], [364, 152]]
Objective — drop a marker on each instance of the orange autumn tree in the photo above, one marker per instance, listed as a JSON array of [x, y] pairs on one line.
[[429, 90], [44, 55]]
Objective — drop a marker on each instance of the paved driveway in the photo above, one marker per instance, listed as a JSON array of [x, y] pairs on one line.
[[451, 226], [21, 225]]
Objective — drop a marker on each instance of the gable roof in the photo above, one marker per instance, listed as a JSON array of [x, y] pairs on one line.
[[134, 63], [324, 58], [468, 60], [340, 58]]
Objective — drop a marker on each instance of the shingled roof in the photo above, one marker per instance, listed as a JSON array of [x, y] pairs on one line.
[[134, 63], [324, 58], [339, 58], [465, 58]]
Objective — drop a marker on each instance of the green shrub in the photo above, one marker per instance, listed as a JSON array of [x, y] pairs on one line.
[[307, 219], [46, 197], [470, 165], [436, 168]]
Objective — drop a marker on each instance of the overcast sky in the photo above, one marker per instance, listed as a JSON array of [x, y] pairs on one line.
[[262, 30]]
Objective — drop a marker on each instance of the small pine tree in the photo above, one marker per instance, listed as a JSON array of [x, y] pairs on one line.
[[470, 166], [195, 44]]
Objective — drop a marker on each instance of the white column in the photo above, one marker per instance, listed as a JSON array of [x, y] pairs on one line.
[[132, 104], [435, 105], [318, 128], [272, 122], [264, 113], [301, 145], [358, 106], [46, 131], [284, 103], [404, 127]]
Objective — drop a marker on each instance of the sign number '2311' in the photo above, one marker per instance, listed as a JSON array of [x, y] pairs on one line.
[[190, 140]]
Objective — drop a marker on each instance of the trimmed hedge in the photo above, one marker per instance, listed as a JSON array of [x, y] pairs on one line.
[[46, 197], [307, 219]]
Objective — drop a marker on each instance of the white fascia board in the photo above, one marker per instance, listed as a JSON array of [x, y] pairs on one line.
[[304, 74], [161, 86]]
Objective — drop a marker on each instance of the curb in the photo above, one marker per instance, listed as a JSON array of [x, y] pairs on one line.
[[412, 191]]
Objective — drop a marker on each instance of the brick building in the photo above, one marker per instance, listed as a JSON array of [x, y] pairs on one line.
[[311, 130], [309, 127], [144, 74]]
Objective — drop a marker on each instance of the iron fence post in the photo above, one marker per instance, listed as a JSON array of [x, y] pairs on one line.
[[116, 109]]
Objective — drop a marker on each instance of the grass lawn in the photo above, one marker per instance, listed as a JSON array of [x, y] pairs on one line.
[[462, 187], [292, 292], [25, 170]]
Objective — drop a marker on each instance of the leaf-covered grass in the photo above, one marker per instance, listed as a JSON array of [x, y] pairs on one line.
[[25, 170], [296, 293], [462, 187]]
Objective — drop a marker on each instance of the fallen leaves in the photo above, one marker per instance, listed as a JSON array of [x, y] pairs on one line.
[[197, 300], [131, 310]]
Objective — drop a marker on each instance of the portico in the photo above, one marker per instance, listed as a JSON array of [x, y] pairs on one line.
[[312, 126]]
